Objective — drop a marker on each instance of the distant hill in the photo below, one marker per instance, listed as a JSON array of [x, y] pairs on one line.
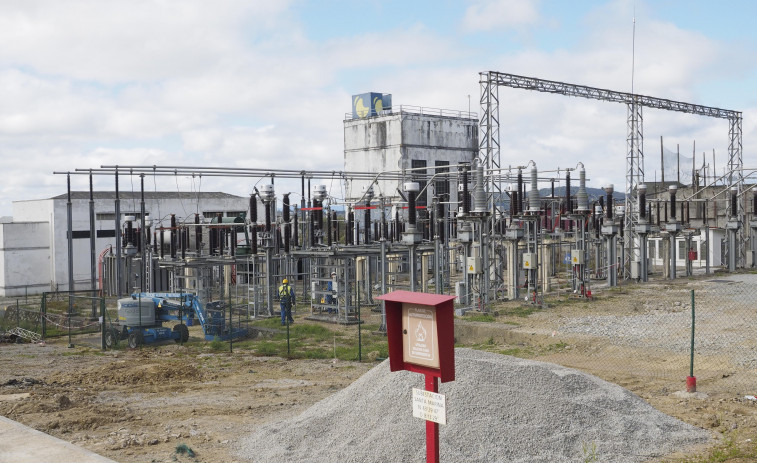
[[594, 193]]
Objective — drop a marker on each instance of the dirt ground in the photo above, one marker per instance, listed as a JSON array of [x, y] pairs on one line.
[[139, 406], [151, 404]]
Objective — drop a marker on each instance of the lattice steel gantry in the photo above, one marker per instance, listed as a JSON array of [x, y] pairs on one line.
[[489, 151], [634, 178], [489, 155]]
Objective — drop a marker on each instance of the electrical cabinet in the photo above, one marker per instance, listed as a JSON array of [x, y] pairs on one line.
[[529, 260], [473, 265], [576, 257]]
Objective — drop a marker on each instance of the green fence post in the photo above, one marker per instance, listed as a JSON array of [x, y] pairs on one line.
[[181, 314], [70, 313], [18, 315], [691, 380], [691, 366], [44, 315], [231, 325], [102, 321], [359, 330], [288, 349]]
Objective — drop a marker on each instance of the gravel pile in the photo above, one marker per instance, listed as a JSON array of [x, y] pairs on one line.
[[499, 409]]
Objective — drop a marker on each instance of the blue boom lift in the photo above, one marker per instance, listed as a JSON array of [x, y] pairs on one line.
[[141, 318]]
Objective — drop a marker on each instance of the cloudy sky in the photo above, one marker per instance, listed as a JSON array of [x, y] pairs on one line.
[[266, 84]]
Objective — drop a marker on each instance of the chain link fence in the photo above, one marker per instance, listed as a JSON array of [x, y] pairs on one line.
[[52, 315], [658, 333]]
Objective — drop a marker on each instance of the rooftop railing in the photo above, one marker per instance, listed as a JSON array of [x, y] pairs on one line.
[[410, 109]]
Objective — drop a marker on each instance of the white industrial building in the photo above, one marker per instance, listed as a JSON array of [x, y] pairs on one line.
[[34, 245]]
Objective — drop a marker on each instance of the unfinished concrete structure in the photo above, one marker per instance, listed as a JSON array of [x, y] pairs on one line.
[[421, 144]]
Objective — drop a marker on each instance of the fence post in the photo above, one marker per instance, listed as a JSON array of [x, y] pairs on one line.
[[359, 329], [44, 315], [691, 381], [231, 326], [18, 315], [70, 314], [102, 322]]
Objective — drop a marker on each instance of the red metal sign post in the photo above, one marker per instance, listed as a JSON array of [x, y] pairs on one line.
[[421, 336], [432, 428]]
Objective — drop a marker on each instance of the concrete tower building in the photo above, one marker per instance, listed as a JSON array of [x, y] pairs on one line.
[[380, 138]]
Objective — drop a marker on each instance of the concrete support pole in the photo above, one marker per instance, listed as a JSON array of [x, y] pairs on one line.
[[424, 272], [732, 248], [644, 267], [269, 284], [612, 260], [118, 240], [438, 273], [69, 235], [485, 268], [92, 246], [142, 237], [513, 271], [689, 263], [382, 328], [672, 261], [707, 246], [412, 265]]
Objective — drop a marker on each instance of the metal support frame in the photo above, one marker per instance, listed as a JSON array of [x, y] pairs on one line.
[[634, 177], [489, 156], [489, 149], [736, 179]]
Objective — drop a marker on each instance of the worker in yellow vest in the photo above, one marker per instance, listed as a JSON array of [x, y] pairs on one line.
[[286, 301]]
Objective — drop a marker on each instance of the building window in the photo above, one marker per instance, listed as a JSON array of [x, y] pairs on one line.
[[420, 177], [442, 180], [651, 251], [111, 216], [682, 251]]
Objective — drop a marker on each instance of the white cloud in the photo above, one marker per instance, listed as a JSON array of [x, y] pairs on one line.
[[86, 83], [485, 15], [123, 41]]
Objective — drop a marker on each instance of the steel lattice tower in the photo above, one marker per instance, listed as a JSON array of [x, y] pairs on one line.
[[489, 151]]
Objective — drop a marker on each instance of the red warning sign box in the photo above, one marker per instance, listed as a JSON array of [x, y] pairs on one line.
[[420, 332]]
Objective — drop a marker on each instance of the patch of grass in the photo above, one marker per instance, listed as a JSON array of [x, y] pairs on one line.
[[590, 452], [273, 322], [484, 317], [317, 353], [556, 347], [516, 352], [315, 332], [728, 450], [184, 449], [519, 311], [218, 345], [267, 349]]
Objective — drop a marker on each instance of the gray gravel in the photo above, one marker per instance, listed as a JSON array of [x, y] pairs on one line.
[[499, 409], [725, 324]]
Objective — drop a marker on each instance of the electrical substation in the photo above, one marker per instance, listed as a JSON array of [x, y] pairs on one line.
[[425, 203]]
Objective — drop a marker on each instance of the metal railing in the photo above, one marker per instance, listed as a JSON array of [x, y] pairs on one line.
[[411, 109]]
